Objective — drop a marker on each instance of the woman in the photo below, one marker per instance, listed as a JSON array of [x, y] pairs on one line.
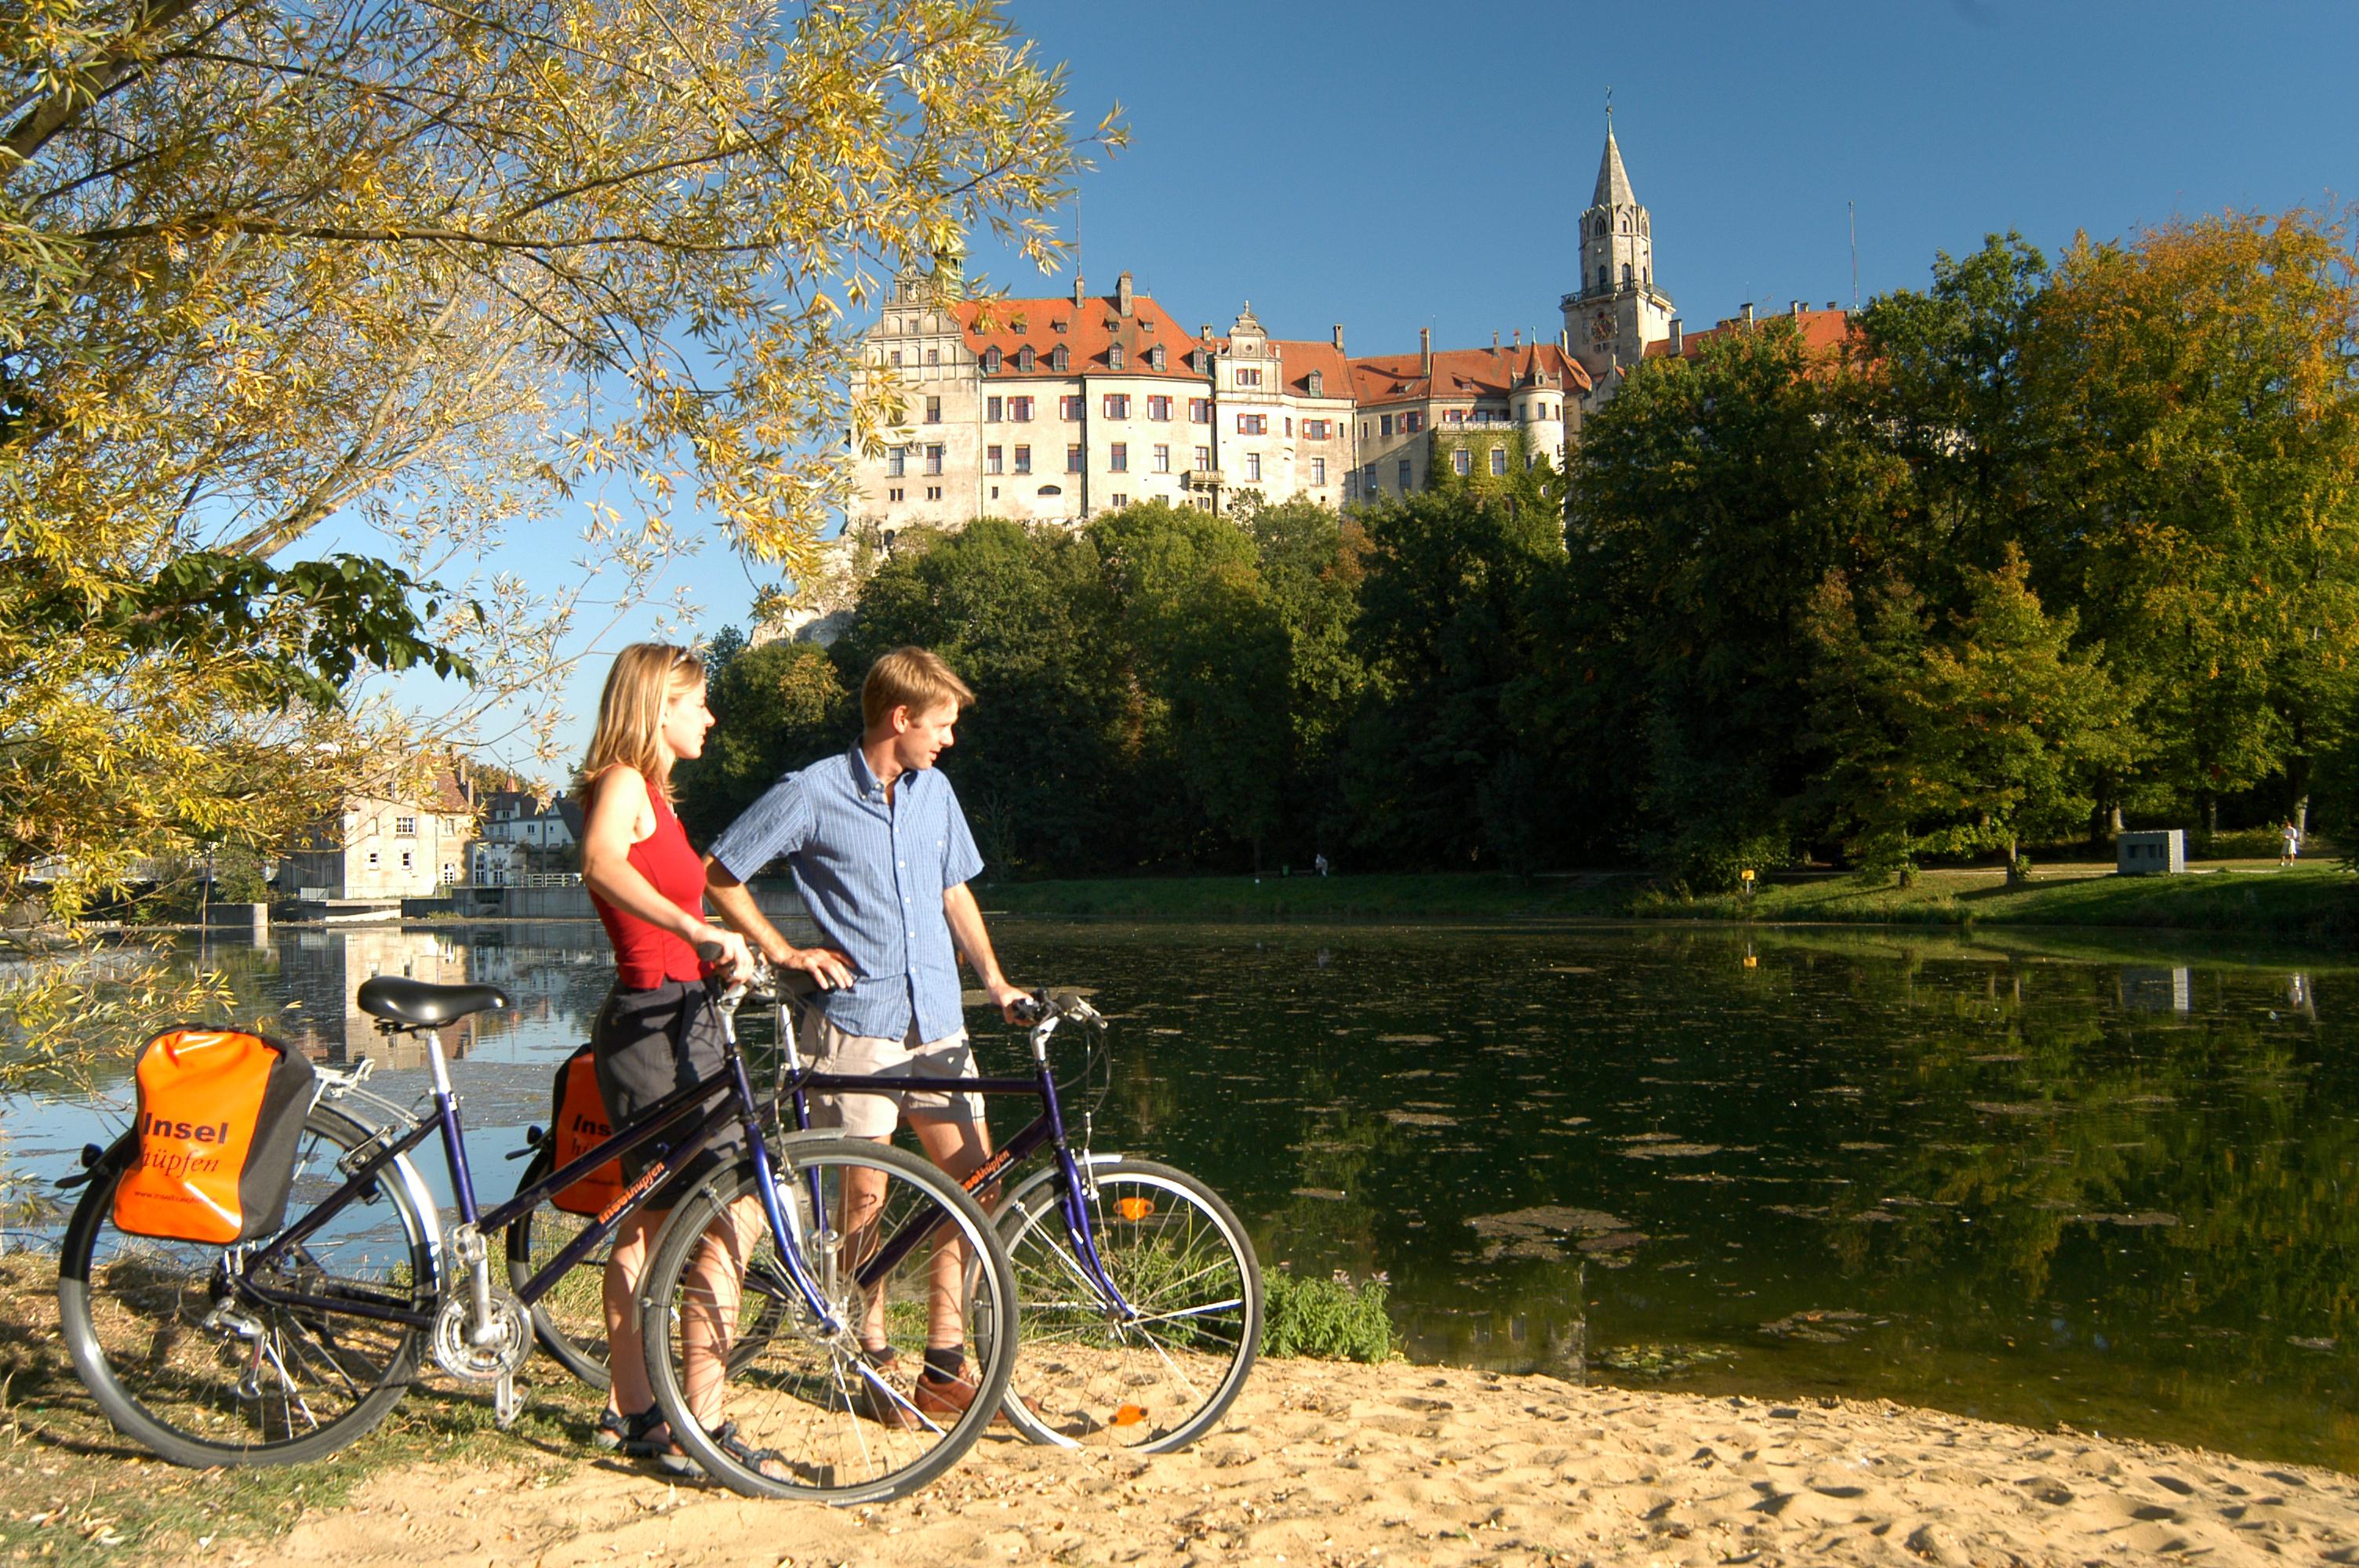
[[657, 1030]]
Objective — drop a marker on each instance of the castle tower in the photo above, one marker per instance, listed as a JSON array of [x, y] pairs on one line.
[[1615, 311]]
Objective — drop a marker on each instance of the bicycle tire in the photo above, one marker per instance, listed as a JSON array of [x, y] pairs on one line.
[[569, 1318], [1178, 1254], [833, 1420], [140, 1320]]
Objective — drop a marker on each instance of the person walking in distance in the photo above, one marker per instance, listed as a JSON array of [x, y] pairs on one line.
[[2288, 843], [880, 851], [657, 1030]]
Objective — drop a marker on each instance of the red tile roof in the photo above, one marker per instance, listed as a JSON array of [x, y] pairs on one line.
[[1086, 337], [1823, 333], [1465, 374], [1298, 358]]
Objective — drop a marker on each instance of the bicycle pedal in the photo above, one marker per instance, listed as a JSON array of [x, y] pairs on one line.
[[506, 1403]]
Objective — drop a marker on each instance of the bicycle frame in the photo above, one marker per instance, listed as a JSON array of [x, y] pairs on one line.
[[1047, 1128], [675, 1109]]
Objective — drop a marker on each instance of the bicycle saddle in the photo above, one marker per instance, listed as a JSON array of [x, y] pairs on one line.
[[424, 1006]]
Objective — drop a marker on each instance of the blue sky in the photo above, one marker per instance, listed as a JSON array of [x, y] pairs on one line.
[[1392, 166]]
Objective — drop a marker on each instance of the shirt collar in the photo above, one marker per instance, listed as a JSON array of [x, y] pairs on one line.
[[863, 777]]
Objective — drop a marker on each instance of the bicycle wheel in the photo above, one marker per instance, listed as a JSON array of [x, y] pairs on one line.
[[569, 1318], [1157, 1377], [889, 1240], [184, 1360]]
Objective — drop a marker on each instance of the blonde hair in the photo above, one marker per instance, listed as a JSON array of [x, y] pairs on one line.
[[911, 678], [630, 714]]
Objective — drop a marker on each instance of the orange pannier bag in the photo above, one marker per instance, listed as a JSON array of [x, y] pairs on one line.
[[221, 1113], [578, 1124]]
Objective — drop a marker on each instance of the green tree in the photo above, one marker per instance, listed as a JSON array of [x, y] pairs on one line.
[[1310, 559], [1020, 612], [1441, 768], [2196, 489], [1209, 656], [1958, 742], [780, 707], [1709, 500]]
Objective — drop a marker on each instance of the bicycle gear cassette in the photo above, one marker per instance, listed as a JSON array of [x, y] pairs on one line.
[[463, 1350]]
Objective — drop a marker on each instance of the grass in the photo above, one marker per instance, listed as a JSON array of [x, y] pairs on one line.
[[73, 1490], [2313, 904]]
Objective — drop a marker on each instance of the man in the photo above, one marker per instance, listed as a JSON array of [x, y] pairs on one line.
[[881, 854]]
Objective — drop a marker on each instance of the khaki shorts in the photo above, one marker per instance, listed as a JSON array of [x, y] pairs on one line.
[[830, 1050]]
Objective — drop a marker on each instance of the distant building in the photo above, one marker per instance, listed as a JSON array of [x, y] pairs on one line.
[[377, 849], [1057, 409]]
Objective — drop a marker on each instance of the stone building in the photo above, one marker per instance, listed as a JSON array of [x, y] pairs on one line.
[[1054, 409], [382, 850]]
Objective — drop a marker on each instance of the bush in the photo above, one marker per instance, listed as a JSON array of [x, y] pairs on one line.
[[1331, 1319]]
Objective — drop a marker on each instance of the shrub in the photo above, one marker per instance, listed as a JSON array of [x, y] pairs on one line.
[[1331, 1319]]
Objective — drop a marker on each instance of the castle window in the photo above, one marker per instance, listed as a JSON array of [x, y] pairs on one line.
[[896, 359], [1460, 463], [1057, 359], [1023, 459], [1627, 275], [933, 356], [896, 462], [1155, 355], [1253, 468], [933, 410], [934, 458], [1498, 462], [1315, 383], [1403, 476], [991, 362], [1318, 470], [990, 461], [992, 409], [1248, 378], [1117, 405], [1118, 457], [1162, 457], [1601, 275], [1069, 408], [1158, 408], [1074, 457], [1019, 409], [1113, 357], [1024, 359]]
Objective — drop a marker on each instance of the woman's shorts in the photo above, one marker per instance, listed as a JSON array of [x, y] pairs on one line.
[[647, 1045], [830, 1050]]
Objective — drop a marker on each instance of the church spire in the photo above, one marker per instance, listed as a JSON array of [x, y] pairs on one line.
[[1612, 180]]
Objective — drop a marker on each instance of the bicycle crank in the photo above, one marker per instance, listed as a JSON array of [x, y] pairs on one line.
[[483, 1350]]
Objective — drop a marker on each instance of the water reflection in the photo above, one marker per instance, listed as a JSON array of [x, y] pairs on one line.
[[2029, 1184]]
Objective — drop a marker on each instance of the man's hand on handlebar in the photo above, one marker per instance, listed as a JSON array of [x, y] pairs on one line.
[[1014, 1003], [832, 970]]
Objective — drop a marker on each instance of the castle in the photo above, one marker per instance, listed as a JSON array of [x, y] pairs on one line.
[[1055, 409]]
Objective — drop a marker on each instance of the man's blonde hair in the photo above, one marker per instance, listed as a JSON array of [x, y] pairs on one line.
[[630, 714], [911, 678]]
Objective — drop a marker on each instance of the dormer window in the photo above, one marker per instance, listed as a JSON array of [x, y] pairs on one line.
[[1058, 325], [1024, 359], [1155, 356], [1315, 384], [1113, 357], [1057, 360], [991, 361]]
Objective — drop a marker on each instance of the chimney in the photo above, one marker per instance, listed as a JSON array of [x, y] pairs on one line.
[[1425, 351], [1833, 306], [1678, 336], [1078, 295], [1564, 341], [1339, 337], [1748, 315], [1204, 331], [1797, 310], [1122, 296], [1495, 341]]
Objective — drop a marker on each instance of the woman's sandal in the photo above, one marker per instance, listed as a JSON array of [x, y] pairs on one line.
[[766, 1463], [617, 1432]]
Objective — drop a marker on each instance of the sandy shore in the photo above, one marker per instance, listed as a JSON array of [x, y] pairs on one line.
[[1323, 1462]]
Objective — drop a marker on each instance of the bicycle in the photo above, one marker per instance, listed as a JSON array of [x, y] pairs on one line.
[[289, 1348], [1140, 1292]]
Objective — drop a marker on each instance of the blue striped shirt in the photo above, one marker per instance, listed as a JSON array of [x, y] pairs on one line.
[[872, 872]]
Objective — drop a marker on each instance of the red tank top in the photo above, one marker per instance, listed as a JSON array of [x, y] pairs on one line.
[[646, 956]]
